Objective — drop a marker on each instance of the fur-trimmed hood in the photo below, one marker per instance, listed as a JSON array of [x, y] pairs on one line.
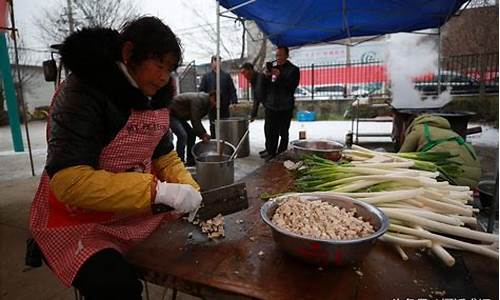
[[91, 54]]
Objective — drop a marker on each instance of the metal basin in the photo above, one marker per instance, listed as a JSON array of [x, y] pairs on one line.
[[328, 252], [324, 148]]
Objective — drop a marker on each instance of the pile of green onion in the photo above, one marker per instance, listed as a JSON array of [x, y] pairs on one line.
[[424, 212]]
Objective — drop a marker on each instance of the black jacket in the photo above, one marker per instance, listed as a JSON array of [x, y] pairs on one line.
[[227, 89], [95, 101], [258, 84], [280, 94]]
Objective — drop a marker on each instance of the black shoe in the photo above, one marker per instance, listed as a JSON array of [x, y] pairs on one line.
[[262, 152], [269, 157], [33, 257]]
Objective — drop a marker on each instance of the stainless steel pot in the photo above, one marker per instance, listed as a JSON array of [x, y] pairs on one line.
[[232, 130], [213, 170], [328, 252], [209, 148]]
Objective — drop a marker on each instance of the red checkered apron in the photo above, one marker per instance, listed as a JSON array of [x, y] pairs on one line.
[[68, 236]]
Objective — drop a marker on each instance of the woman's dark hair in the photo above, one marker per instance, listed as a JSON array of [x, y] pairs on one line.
[[151, 39]]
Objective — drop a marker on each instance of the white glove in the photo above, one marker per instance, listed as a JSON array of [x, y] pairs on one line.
[[182, 197]]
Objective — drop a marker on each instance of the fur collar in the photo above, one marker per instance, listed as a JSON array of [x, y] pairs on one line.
[[91, 55]]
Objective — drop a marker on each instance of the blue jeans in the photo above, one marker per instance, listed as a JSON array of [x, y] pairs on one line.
[[185, 137]]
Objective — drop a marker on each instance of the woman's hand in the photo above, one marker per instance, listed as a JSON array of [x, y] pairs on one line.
[[182, 197]]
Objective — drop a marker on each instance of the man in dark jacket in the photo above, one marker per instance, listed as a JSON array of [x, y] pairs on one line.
[[257, 81], [190, 107], [282, 78], [227, 92]]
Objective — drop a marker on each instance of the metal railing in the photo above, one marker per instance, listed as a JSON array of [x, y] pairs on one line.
[[465, 74], [339, 81], [188, 78]]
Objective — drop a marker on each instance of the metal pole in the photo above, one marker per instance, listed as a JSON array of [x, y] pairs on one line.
[[217, 80], [238, 6], [10, 95], [312, 81], [70, 17], [357, 119], [348, 47], [348, 72], [348, 52], [353, 118], [439, 61], [20, 87]]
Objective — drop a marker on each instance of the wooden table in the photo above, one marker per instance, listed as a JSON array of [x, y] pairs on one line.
[[232, 268]]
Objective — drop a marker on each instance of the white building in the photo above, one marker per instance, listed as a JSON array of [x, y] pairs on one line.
[[37, 92], [326, 54]]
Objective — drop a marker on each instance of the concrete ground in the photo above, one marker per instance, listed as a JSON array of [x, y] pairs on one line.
[[17, 186]]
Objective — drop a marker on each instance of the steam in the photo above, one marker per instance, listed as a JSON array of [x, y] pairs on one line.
[[410, 56]]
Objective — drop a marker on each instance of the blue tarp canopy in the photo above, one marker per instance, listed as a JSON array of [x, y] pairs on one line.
[[299, 22]]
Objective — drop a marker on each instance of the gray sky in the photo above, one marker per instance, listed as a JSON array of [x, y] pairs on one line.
[[190, 20]]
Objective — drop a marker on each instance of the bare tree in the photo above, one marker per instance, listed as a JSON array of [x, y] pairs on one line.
[[27, 75], [260, 58], [54, 22], [235, 32], [209, 32], [474, 31], [243, 38], [482, 3], [26, 62], [259, 46]]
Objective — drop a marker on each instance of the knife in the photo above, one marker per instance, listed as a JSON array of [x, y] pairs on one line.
[[223, 200]]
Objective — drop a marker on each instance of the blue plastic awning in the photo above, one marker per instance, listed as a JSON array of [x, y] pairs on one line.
[[299, 22]]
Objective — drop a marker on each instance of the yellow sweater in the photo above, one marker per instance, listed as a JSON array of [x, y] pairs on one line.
[[100, 190]]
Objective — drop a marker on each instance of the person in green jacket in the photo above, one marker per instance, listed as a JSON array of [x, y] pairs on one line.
[[429, 133]]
